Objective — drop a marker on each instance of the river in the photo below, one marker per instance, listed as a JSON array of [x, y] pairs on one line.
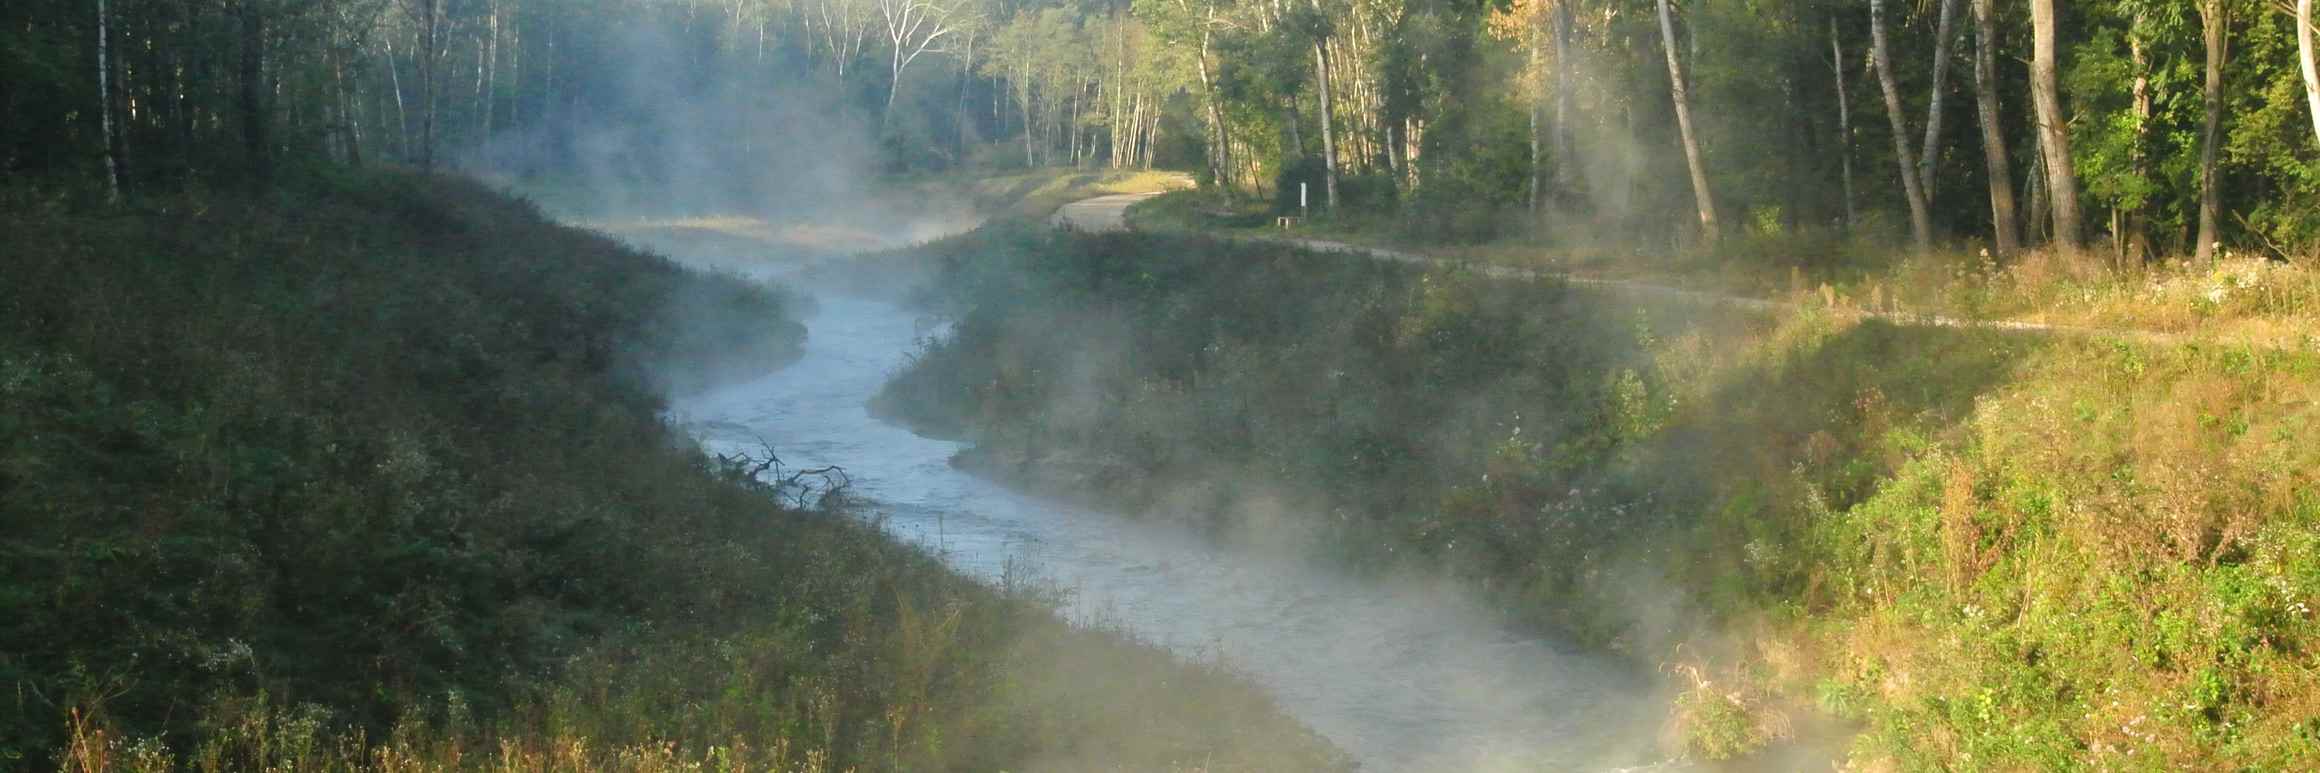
[[1402, 678]]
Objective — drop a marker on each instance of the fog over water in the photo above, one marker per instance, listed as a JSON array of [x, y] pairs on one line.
[[1403, 677]]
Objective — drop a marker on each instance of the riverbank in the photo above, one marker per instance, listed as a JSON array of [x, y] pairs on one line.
[[1970, 543], [368, 473], [2240, 299]]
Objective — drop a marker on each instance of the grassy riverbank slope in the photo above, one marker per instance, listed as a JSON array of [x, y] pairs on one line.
[[1985, 549], [368, 474]]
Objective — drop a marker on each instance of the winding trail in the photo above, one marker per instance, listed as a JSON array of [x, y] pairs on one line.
[[1110, 213]]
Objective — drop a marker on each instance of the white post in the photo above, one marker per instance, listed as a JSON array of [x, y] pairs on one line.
[[1301, 210]]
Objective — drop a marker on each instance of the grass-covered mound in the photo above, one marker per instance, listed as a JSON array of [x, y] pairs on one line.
[[1988, 550], [368, 474]]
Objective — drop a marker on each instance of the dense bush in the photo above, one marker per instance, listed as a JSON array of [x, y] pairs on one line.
[[385, 453], [2007, 549]]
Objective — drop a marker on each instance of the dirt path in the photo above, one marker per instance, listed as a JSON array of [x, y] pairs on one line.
[[1102, 213], [1110, 213]]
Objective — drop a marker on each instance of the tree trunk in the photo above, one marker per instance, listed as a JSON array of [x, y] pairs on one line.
[[2002, 218], [349, 121], [1928, 159], [1920, 217], [402, 114], [2213, 21], [966, 66], [251, 100], [1030, 132], [491, 74], [1566, 158], [1844, 123], [1538, 107], [105, 101], [2053, 128], [2139, 157], [2305, 50], [430, 27], [1219, 158], [1681, 93], [1328, 126]]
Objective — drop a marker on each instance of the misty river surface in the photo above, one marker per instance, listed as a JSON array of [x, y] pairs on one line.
[[1403, 679]]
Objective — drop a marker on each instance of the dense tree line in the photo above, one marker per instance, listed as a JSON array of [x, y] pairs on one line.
[[2153, 127]]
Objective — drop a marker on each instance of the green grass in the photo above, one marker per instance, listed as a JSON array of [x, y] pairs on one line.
[[1037, 193], [1982, 549], [368, 474]]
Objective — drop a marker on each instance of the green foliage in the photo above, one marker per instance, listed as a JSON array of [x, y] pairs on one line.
[[2016, 549], [374, 466]]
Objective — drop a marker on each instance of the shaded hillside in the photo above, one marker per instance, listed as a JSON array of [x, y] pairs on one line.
[[371, 470]]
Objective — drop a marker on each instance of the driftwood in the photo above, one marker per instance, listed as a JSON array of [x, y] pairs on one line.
[[801, 488]]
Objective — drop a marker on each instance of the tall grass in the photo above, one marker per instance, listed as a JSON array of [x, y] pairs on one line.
[[1987, 549], [368, 474]]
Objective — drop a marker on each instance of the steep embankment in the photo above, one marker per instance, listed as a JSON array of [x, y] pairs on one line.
[[1986, 548], [369, 475]]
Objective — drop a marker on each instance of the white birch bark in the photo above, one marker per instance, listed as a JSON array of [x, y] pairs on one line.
[[1682, 95], [1920, 216]]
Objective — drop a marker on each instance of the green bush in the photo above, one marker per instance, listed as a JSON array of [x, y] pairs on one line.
[[377, 462]]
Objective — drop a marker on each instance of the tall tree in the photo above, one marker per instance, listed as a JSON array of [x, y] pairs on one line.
[[250, 100], [1681, 92], [913, 27], [1844, 121], [2311, 61], [1920, 216], [2053, 127], [1928, 159], [2003, 222], [1566, 157], [105, 101], [2214, 19], [1328, 122]]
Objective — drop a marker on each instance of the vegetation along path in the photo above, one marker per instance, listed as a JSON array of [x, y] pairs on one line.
[[1110, 213]]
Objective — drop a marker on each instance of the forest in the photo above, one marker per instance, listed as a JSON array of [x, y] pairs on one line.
[[2149, 129], [321, 450]]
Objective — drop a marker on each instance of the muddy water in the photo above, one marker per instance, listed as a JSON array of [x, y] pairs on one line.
[[1402, 678]]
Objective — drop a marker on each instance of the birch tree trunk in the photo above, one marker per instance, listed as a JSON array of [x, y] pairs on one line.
[[1328, 132], [1920, 216], [251, 97], [491, 73], [1219, 158], [2139, 157], [2305, 50], [402, 114], [1538, 107], [1681, 93], [1928, 159], [2007, 239], [2213, 19], [1566, 166], [431, 26], [105, 101], [2053, 128], [1844, 121]]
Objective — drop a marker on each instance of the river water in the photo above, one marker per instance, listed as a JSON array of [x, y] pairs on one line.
[[1402, 678]]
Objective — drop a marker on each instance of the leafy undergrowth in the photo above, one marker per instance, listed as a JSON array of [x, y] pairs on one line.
[[369, 475], [2239, 299], [1979, 548]]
